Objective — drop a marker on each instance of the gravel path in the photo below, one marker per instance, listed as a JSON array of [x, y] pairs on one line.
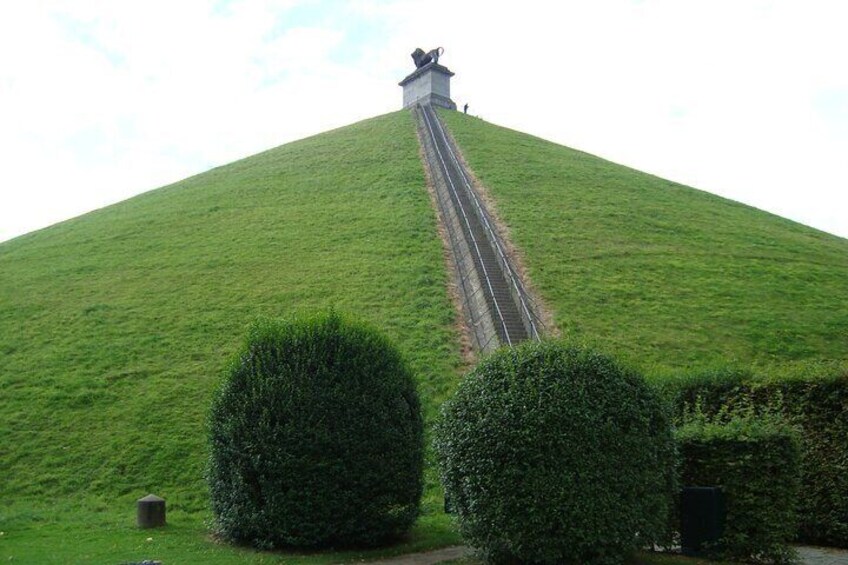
[[822, 555], [809, 556], [427, 557]]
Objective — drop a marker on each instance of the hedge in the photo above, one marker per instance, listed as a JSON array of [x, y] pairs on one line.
[[756, 462], [555, 454], [316, 438], [812, 397]]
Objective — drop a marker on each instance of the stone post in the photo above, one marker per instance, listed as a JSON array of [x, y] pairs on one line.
[[151, 511]]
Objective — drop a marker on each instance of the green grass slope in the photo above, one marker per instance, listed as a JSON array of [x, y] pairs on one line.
[[115, 328], [667, 276]]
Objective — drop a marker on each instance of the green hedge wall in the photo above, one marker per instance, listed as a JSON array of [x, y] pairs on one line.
[[756, 462], [815, 399]]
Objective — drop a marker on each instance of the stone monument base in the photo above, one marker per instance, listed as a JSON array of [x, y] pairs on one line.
[[429, 84], [437, 100]]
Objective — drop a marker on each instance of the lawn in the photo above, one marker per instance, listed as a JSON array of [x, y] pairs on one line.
[[665, 276], [115, 328], [68, 534]]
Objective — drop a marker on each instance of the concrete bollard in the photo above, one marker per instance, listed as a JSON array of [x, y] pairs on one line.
[[151, 511]]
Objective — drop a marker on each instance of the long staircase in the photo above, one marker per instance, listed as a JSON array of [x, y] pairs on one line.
[[498, 307]]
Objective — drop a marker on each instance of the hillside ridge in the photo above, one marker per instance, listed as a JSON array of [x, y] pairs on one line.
[[669, 277], [115, 326]]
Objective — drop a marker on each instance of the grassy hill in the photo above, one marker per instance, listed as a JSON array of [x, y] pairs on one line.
[[667, 276], [115, 327]]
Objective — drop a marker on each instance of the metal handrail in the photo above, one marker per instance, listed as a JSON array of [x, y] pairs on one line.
[[516, 283], [429, 125]]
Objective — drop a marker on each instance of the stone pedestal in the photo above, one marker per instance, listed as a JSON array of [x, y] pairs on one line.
[[428, 85], [151, 511]]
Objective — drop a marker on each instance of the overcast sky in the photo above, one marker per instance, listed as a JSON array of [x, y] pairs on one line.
[[102, 100]]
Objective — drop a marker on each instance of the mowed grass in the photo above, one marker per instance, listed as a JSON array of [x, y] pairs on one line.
[[666, 276], [115, 329]]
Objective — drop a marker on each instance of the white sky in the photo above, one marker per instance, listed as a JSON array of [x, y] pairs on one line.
[[100, 100]]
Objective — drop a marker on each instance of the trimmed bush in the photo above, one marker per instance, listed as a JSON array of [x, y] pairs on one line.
[[756, 462], [812, 397], [316, 438], [556, 454]]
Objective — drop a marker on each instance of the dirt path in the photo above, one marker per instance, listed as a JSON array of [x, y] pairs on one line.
[[427, 557], [822, 555], [809, 556]]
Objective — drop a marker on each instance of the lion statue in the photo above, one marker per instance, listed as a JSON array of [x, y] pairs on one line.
[[422, 58]]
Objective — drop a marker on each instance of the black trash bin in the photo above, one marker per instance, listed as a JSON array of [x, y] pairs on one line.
[[702, 515]]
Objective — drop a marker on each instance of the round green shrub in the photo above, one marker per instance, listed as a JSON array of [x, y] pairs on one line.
[[316, 438], [555, 454]]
